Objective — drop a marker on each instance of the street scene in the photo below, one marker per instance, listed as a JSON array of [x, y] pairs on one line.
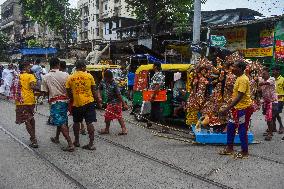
[[141, 94]]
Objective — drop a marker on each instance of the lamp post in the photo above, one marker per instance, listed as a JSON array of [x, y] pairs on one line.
[[196, 29]]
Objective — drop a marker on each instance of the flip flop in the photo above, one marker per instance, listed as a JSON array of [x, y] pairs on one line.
[[33, 145], [69, 149], [88, 147], [226, 152], [103, 132], [122, 133], [268, 138], [76, 144], [241, 155], [54, 140]]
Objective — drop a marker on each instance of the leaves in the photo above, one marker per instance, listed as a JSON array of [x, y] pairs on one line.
[[158, 13], [51, 13]]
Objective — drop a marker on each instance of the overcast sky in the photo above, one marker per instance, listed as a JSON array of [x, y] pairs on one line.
[[266, 7]]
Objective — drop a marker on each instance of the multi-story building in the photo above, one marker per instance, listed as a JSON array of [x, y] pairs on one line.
[[100, 18], [11, 20]]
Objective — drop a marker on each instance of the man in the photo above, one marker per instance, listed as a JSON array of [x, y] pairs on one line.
[[280, 92], [130, 83], [54, 85], [82, 92], [157, 83], [241, 109], [63, 66], [270, 101], [25, 101], [7, 79], [114, 103], [95, 56]]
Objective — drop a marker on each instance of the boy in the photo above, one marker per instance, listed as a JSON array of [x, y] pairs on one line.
[[241, 109], [114, 103], [25, 101], [270, 101]]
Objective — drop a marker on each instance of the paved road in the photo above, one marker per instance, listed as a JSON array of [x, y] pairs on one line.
[[138, 160]]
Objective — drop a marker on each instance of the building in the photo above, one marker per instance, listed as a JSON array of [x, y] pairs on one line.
[[100, 18], [11, 20]]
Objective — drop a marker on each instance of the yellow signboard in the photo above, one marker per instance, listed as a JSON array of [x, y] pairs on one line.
[[257, 52]]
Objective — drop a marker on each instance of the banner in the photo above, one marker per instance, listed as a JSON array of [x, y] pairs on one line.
[[279, 49], [266, 38], [236, 38], [257, 52]]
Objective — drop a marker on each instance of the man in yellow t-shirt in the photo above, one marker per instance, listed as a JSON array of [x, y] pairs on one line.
[[82, 92], [242, 110], [25, 106]]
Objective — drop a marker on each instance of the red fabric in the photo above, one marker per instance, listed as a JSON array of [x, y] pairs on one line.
[[57, 98], [113, 111]]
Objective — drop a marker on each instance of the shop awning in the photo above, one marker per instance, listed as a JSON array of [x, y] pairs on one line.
[[38, 51]]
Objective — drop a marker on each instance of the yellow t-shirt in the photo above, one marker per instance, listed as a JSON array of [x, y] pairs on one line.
[[80, 83], [280, 87], [242, 85], [27, 92]]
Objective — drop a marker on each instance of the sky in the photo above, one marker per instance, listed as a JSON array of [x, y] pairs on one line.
[[266, 7]]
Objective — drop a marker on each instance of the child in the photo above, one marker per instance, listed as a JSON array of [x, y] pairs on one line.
[[270, 101], [114, 103]]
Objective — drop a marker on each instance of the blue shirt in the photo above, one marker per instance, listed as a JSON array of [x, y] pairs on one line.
[[131, 78]]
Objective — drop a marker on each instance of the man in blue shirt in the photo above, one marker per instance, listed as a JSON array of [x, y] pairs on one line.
[[131, 78]]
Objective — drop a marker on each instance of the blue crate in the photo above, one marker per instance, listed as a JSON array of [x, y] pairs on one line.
[[204, 137]]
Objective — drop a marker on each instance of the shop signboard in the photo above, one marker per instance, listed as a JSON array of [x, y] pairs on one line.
[[218, 41], [257, 52], [279, 42], [266, 38]]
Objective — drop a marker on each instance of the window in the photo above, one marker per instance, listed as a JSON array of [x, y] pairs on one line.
[[110, 28], [105, 6]]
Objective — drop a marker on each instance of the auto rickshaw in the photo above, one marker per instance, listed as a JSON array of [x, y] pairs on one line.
[[97, 71], [142, 79]]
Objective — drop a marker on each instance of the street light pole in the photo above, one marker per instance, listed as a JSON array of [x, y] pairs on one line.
[[196, 28]]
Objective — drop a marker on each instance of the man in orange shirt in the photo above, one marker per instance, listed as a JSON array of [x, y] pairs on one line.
[[82, 92], [25, 102], [241, 111]]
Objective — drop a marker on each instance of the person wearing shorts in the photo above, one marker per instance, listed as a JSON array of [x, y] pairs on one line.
[[81, 90], [114, 103], [25, 102], [53, 84]]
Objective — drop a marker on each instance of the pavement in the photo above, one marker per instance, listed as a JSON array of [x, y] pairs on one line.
[[138, 160]]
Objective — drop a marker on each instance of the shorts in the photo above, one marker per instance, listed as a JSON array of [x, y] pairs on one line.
[[24, 113], [87, 112], [280, 106], [113, 111], [130, 87], [58, 113]]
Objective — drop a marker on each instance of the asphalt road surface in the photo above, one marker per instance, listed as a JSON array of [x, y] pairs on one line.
[[138, 160]]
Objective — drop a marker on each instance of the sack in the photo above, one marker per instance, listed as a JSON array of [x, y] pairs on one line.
[[145, 108]]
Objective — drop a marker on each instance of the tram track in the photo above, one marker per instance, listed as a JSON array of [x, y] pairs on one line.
[[203, 178]]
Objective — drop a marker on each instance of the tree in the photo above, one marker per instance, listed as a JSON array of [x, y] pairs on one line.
[[4, 46], [162, 12], [54, 14]]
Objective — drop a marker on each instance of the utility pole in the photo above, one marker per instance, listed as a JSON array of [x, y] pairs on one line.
[[196, 29]]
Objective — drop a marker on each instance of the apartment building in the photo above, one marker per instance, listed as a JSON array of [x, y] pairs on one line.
[[11, 20], [101, 18]]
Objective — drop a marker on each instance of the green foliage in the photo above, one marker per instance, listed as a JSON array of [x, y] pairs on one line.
[[3, 47], [33, 43], [162, 12], [51, 13]]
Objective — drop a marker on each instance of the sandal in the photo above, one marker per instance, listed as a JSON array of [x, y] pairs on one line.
[[226, 152], [54, 140], [69, 149], [83, 132], [268, 138], [33, 145], [241, 155], [281, 131], [103, 132], [88, 147], [76, 144]]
